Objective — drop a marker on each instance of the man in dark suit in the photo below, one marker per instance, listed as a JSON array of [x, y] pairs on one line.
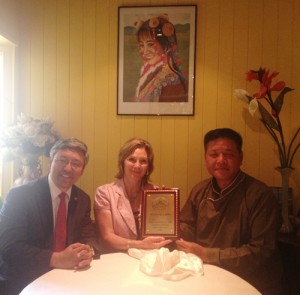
[[28, 222]]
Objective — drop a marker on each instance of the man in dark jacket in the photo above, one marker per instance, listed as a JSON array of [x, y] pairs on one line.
[[28, 222], [231, 219]]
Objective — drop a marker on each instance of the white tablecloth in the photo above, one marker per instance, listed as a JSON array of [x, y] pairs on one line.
[[119, 274]]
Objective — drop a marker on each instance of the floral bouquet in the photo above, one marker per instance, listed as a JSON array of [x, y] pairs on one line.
[[28, 136], [270, 118]]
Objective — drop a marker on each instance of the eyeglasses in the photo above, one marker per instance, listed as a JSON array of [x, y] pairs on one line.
[[63, 161]]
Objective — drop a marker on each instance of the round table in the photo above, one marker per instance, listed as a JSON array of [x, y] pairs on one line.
[[119, 274]]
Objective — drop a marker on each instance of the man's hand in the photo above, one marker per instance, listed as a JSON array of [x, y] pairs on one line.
[[75, 256], [194, 248]]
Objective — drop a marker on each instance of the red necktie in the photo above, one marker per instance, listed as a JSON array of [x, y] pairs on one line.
[[61, 224]]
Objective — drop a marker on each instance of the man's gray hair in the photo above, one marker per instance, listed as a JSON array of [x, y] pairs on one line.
[[70, 144]]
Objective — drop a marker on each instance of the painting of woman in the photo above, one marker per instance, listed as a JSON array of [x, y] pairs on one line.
[[161, 78]]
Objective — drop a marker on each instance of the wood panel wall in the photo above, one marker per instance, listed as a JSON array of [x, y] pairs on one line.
[[67, 70]]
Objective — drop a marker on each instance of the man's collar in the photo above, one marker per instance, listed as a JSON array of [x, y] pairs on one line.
[[227, 190], [55, 191]]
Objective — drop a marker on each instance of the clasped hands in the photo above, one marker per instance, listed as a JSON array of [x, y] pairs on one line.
[[75, 256]]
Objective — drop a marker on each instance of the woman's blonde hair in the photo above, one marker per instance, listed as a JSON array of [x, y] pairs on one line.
[[128, 148]]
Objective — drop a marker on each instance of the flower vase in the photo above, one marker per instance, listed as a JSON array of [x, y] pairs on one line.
[[30, 169], [285, 173]]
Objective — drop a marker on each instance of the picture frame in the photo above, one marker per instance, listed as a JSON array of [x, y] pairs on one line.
[[160, 213], [156, 60]]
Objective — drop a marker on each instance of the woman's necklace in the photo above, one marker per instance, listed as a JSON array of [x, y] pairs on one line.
[[132, 197]]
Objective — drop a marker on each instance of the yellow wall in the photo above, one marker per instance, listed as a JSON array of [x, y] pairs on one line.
[[67, 69]]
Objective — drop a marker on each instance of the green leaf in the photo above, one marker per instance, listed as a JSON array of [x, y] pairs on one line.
[[267, 118], [279, 100], [291, 157]]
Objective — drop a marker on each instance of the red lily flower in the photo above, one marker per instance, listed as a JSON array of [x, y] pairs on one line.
[[262, 91], [251, 75], [278, 86], [266, 79]]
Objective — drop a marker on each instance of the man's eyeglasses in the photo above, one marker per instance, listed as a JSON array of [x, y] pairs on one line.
[[76, 165]]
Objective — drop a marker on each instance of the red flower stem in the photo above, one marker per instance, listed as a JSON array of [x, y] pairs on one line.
[[284, 155], [281, 153]]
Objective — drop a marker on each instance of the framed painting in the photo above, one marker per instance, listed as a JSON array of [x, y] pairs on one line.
[[156, 60], [160, 213]]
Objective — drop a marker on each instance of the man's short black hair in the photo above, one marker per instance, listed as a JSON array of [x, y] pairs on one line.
[[223, 132]]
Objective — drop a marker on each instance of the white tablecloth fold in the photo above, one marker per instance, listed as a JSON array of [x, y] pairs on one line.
[[174, 266]]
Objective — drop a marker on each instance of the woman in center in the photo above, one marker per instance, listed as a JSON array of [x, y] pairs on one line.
[[117, 205]]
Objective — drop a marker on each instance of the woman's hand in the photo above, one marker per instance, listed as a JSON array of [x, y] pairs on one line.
[[154, 242]]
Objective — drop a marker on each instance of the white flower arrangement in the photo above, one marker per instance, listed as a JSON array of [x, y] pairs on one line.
[[28, 136]]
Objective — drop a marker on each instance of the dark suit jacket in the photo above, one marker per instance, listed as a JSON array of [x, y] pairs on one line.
[[26, 231]]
